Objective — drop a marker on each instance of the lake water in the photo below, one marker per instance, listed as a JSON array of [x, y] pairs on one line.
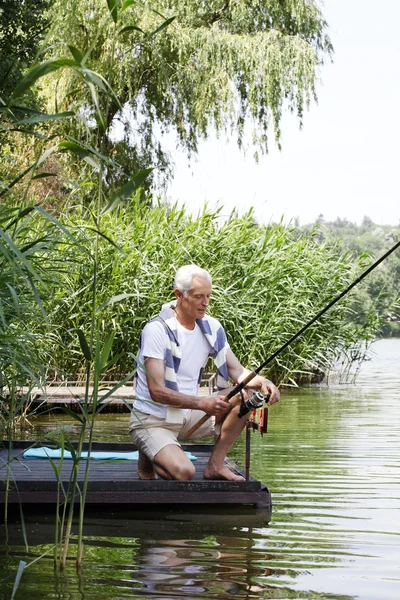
[[332, 462]]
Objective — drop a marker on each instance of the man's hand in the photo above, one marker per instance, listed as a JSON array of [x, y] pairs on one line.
[[238, 373], [215, 405], [269, 389]]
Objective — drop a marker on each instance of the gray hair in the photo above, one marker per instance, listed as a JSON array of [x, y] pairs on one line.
[[184, 277]]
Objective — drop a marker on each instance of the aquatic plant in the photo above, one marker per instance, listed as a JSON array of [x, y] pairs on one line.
[[268, 282], [22, 272], [19, 119]]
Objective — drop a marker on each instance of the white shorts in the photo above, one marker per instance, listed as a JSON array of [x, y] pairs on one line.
[[151, 434]]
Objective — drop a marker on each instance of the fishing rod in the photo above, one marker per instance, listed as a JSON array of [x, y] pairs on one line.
[[239, 387]]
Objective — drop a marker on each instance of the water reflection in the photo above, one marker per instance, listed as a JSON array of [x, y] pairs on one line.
[[331, 460], [191, 556]]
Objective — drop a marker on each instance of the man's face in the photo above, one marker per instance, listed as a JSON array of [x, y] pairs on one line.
[[194, 302]]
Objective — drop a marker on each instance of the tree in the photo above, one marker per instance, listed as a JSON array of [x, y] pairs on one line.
[[22, 27], [218, 66], [376, 299]]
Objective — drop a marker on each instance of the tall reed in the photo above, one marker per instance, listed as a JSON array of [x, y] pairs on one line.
[[268, 282], [24, 276], [23, 120]]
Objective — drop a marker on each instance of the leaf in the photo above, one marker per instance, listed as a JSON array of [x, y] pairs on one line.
[[41, 118], [73, 184], [84, 153], [15, 181], [84, 345], [93, 151], [21, 514], [115, 299], [42, 158], [116, 387], [127, 4], [21, 567], [103, 405], [9, 244], [162, 26], [12, 107], [76, 53], [35, 245], [71, 414], [45, 155], [114, 360], [57, 471], [57, 223], [95, 79], [51, 435], [127, 190], [100, 118], [22, 213], [102, 83], [113, 8], [84, 412], [43, 175], [131, 28], [35, 134], [106, 350], [39, 71], [71, 449], [56, 468], [123, 193], [106, 237], [165, 24], [15, 298]]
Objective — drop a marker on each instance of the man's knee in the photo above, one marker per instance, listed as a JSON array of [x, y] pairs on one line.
[[183, 472], [174, 462]]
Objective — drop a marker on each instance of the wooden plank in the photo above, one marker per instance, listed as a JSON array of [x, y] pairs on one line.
[[261, 499], [74, 393], [34, 481], [72, 396]]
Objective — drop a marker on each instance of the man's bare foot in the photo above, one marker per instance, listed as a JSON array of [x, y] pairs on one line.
[[145, 469], [223, 473], [145, 475]]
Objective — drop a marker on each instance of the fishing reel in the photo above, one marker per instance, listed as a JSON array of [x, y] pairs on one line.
[[256, 400]]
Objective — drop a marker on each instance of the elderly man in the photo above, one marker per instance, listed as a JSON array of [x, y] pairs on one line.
[[174, 348]]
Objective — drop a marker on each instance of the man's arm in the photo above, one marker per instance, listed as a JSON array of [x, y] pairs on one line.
[[237, 372], [212, 405]]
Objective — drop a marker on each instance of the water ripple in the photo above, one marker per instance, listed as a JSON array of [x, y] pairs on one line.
[[331, 460]]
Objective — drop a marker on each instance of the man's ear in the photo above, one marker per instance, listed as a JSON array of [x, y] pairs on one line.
[[178, 294]]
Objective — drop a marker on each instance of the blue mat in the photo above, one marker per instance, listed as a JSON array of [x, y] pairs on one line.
[[56, 453]]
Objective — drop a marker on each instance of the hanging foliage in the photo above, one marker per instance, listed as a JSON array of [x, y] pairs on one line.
[[216, 67]]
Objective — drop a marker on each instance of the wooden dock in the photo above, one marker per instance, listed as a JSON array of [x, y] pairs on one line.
[[71, 397], [33, 481], [72, 394]]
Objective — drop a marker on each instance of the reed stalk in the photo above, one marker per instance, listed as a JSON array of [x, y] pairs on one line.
[[279, 278]]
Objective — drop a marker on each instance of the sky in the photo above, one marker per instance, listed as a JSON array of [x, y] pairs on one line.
[[344, 161]]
